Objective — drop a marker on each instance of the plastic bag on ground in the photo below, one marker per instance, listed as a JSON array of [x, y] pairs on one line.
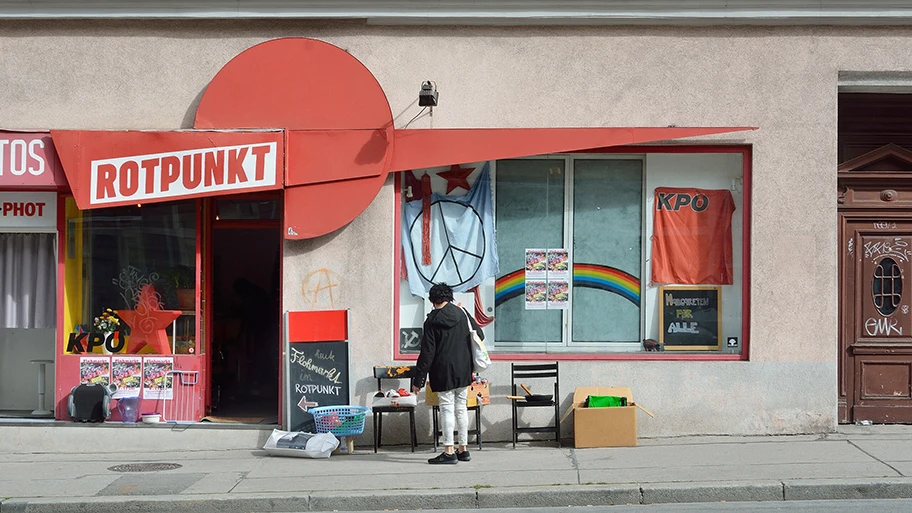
[[300, 445]]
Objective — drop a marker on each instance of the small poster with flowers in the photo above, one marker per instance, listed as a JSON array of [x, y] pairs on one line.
[[158, 377], [95, 370], [126, 373], [536, 264]]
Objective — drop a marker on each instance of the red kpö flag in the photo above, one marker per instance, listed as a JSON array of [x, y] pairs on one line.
[[692, 239]]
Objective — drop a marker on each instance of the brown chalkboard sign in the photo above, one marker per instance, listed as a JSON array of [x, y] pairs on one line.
[[318, 376], [690, 318]]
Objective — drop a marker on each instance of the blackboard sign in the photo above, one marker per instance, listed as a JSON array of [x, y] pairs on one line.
[[317, 376], [690, 318]]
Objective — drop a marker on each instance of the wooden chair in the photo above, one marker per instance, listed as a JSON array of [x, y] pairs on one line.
[[393, 373], [522, 373]]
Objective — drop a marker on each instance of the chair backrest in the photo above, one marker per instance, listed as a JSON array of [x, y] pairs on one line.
[[392, 372], [520, 372]]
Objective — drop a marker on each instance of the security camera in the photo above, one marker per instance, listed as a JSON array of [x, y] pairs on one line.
[[427, 97]]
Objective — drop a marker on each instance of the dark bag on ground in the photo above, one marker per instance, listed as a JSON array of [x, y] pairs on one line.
[[89, 403]]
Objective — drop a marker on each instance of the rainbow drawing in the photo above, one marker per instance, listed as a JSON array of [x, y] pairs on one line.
[[592, 276]]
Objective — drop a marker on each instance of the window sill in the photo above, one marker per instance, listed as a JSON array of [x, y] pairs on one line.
[[644, 356]]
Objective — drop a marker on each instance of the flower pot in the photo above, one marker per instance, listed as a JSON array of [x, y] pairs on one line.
[[186, 299]]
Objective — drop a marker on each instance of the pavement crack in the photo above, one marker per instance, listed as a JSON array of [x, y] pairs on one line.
[[875, 458], [571, 455], [240, 478]]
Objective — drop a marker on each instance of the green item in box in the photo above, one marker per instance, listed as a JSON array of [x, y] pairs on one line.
[[605, 401]]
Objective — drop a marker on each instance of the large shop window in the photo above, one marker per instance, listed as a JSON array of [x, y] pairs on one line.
[[574, 238], [138, 263]]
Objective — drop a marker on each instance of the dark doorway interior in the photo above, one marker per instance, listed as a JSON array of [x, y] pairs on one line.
[[245, 331]]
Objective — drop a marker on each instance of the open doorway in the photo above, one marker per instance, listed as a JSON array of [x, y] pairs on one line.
[[245, 300]]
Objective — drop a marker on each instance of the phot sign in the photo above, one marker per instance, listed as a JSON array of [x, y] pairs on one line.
[[28, 211], [28, 160]]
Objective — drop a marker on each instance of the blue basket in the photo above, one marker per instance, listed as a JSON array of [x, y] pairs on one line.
[[340, 420]]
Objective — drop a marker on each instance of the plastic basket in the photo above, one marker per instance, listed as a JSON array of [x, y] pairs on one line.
[[340, 420]]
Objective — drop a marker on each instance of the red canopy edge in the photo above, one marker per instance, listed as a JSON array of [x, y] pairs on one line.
[[423, 148]]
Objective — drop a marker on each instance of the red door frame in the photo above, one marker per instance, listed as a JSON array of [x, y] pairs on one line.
[[210, 226]]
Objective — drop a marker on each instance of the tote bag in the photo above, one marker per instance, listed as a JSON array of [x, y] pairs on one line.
[[480, 356]]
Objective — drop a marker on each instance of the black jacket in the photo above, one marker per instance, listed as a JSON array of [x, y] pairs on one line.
[[445, 351]]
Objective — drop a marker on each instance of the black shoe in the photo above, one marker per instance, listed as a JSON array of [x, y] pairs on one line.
[[444, 458], [464, 456]]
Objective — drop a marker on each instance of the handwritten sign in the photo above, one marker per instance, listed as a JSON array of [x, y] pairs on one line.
[[318, 376], [690, 318]]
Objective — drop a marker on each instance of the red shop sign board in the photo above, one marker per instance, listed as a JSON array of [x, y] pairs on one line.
[[112, 168], [28, 161]]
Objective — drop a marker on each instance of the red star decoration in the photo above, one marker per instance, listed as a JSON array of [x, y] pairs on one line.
[[456, 177], [148, 322]]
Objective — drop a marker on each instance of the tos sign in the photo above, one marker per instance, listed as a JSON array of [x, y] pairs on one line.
[[28, 160]]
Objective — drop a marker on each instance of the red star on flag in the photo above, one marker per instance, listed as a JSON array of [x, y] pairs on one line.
[[456, 177], [148, 322]]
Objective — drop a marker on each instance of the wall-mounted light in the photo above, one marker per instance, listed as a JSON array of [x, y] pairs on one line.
[[427, 97]]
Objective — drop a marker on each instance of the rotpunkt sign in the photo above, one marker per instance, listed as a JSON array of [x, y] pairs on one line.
[[183, 173], [27, 159]]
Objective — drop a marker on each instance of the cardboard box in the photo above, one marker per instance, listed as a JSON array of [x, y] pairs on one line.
[[475, 391], [604, 427]]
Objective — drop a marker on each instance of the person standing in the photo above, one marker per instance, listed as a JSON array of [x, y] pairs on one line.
[[447, 356]]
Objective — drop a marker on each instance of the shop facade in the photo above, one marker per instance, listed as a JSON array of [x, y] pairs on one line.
[[772, 93]]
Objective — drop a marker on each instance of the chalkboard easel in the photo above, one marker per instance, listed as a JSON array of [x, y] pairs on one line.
[[316, 365], [690, 317]]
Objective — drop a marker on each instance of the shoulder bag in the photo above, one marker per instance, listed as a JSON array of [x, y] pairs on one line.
[[480, 356]]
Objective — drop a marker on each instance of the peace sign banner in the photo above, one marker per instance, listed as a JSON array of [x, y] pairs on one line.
[[461, 237]]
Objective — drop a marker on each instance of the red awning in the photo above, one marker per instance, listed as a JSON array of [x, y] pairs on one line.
[[325, 129]]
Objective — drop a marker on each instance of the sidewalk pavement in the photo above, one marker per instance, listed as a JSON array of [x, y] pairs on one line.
[[856, 462]]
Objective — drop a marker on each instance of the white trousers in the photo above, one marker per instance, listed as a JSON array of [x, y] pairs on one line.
[[453, 409]]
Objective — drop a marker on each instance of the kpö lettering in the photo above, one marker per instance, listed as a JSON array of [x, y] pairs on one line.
[[676, 201]]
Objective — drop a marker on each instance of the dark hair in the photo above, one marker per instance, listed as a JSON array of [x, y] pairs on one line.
[[440, 293]]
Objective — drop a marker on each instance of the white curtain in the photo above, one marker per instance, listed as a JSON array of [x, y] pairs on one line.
[[28, 280]]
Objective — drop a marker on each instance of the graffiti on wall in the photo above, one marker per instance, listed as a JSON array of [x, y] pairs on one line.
[[322, 289]]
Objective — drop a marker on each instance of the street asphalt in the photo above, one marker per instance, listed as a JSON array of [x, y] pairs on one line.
[[856, 462]]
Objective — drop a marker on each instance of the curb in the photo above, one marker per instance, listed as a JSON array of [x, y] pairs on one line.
[[482, 498]]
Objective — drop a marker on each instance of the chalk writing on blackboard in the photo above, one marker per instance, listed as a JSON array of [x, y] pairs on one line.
[[690, 317], [302, 359]]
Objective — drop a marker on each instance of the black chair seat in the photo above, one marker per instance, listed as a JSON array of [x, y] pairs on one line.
[[392, 409], [536, 404]]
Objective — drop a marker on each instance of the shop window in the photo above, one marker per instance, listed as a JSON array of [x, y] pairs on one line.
[[597, 214], [591, 209], [140, 263]]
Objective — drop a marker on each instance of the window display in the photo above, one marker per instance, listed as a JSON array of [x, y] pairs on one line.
[[131, 278], [583, 244]]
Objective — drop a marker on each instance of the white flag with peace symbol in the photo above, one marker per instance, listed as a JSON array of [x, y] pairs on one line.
[[463, 250]]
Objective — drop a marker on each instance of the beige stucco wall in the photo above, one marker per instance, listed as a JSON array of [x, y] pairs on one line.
[[783, 80]]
